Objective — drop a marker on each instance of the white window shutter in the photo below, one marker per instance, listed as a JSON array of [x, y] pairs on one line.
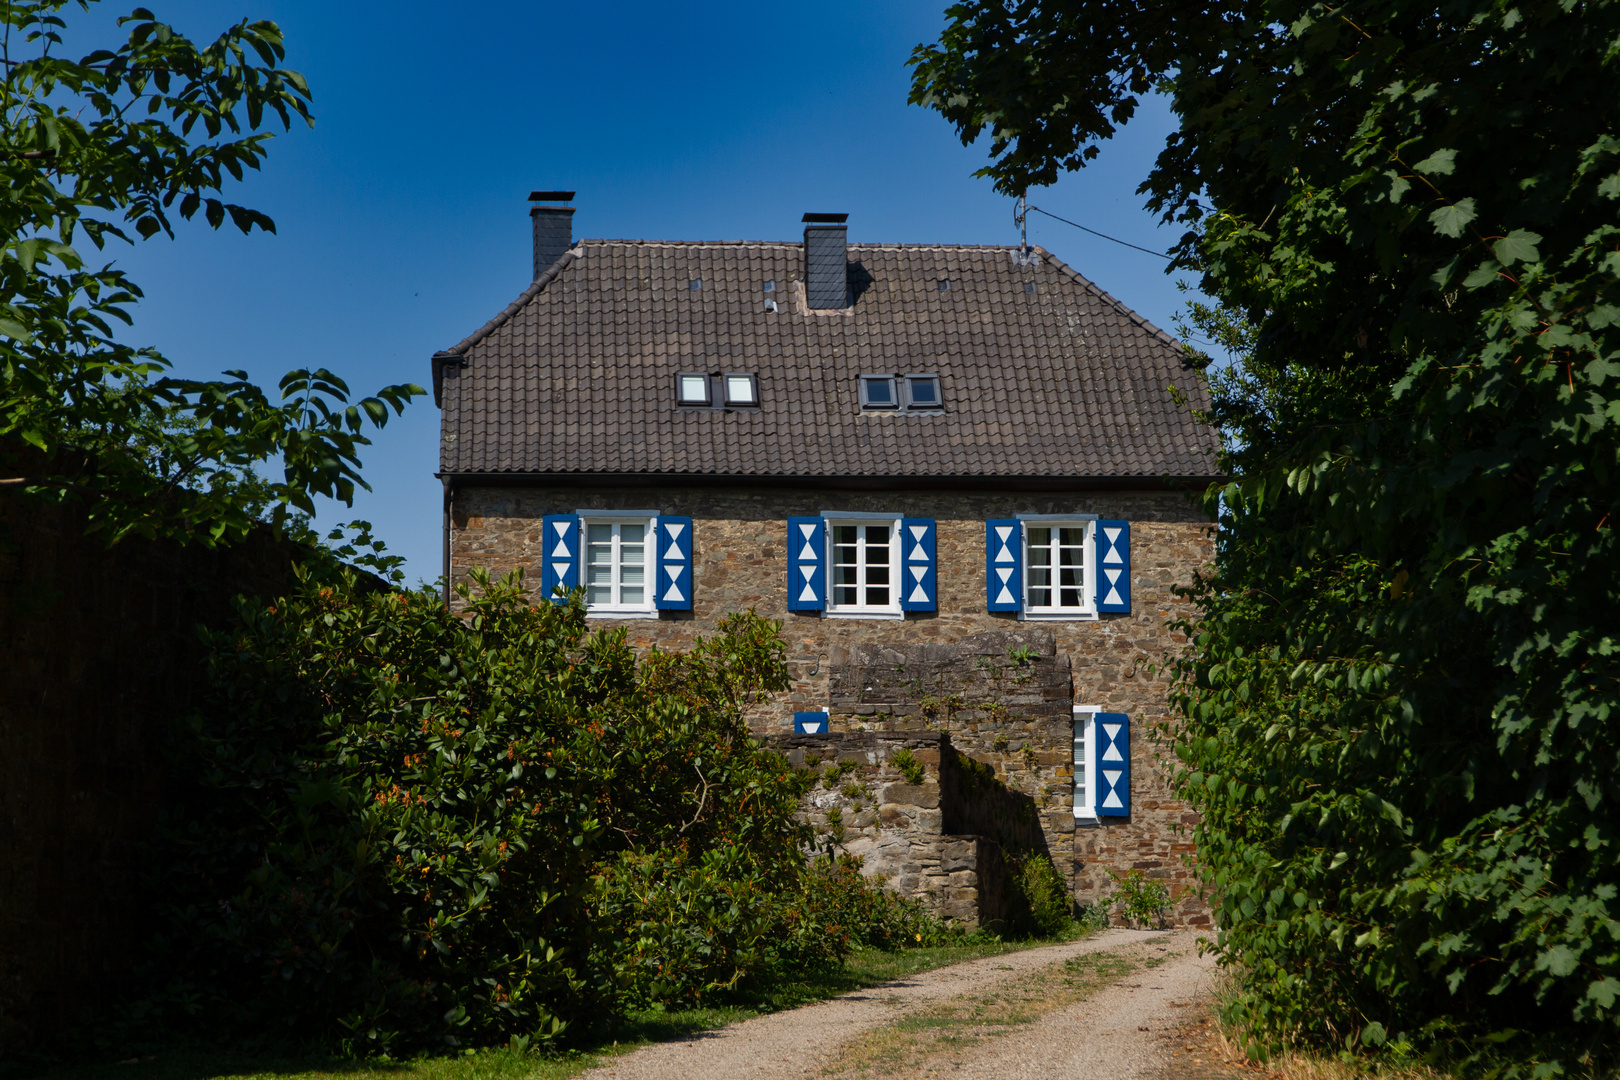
[[674, 560], [1004, 564], [917, 565], [559, 555], [1113, 566], [1113, 765], [807, 564]]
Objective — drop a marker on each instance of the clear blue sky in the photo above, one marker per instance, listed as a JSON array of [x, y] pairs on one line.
[[402, 216]]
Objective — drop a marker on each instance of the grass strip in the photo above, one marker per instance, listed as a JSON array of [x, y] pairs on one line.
[[923, 1043]]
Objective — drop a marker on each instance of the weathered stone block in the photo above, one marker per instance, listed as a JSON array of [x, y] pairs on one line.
[[926, 795]]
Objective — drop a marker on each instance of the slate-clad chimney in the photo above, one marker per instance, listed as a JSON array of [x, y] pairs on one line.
[[826, 260], [553, 228]]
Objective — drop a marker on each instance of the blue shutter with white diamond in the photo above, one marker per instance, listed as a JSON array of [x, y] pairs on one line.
[[559, 555], [674, 542], [807, 557], [1113, 768], [1004, 564], [1113, 566], [917, 564]]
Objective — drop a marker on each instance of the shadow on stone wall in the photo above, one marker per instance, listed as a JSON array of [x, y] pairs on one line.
[[948, 840], [1006, 697]]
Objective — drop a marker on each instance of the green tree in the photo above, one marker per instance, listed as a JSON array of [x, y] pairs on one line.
[[117, 145], [1399, 716]]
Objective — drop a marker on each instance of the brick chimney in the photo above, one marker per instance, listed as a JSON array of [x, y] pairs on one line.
[[553, 228], [826, 260]]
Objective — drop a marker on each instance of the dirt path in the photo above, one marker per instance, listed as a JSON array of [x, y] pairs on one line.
[[1103, 1007]]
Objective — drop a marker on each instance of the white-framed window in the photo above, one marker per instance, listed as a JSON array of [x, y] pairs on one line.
[[1085, 770], [1059, 578], [618, 563], [864, 563]]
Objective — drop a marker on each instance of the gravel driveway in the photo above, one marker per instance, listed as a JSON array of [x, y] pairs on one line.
[[1118, 1032]]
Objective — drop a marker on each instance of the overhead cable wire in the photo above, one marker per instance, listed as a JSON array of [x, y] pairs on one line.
[[1105, 236]]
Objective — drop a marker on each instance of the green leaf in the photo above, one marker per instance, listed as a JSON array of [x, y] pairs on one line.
[[1517, 246], [1559, 960], [1488, 272], [1452, 220], [1439, 163]]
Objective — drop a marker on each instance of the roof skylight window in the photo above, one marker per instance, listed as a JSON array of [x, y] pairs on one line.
[[741, 390], [1029, 286], [877, 392], [922, 392], [694, 388], [695, 284], [944, 284], [770, 286]]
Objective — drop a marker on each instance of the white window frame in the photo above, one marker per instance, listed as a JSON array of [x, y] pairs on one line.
[[648, 519], [1088, 550], [1085, 769], [830, 520]]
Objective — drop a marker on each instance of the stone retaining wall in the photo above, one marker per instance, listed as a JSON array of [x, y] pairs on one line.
[[899, 829]]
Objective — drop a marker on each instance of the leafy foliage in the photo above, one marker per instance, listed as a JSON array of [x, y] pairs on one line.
[[1399, 715], [126, 141], [402, 828], [1141, 899], [909, 766], [1041, 904]]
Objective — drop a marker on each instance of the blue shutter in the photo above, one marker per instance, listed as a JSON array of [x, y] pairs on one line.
[[1114, 566], [807, 557], [810, 723], [559, 555], [1113, 767], [674, 546], [917, 574], [1003, 564]]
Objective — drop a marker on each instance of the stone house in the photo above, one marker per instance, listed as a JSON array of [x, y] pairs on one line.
[[959, 475]]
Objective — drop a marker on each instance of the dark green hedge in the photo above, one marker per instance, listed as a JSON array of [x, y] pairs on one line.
[[405, 828]]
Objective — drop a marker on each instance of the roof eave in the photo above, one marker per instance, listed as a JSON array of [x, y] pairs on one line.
[[912, 482]]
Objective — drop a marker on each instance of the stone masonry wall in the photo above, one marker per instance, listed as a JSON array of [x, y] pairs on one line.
[[740, 562], [1005, 697], [902, 832]]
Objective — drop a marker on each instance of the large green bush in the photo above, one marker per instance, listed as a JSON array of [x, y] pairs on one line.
[[404, 827], [1400, 711]]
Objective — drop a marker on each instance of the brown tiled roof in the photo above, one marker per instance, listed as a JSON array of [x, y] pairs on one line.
[[578, 374]]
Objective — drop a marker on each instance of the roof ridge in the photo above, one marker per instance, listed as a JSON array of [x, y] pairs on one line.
[[460, 348], [872, 246]]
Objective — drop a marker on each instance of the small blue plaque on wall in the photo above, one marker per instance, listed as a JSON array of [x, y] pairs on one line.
[[810, 723]]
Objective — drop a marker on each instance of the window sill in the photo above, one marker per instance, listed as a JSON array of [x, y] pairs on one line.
[[1057, 616], [893, 615], [622, 613], [1081, 817]]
